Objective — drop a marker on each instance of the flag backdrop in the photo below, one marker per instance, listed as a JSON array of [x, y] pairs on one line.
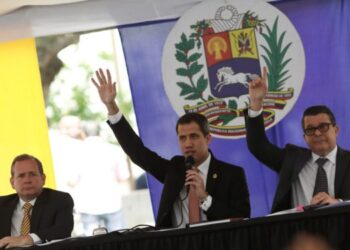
[[22, 110], [324, 27]]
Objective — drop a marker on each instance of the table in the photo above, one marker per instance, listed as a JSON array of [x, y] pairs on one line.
[[258, 233]]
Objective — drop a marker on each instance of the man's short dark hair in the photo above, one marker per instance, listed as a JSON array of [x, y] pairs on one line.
[[316, 110], [23, 157], [200, 119]]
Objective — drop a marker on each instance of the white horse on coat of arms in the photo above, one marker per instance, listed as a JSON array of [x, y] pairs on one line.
[[226, 76]]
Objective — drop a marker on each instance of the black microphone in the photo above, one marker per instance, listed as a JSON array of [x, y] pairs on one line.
[[189, 162]]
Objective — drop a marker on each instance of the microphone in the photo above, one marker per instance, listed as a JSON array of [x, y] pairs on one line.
[[189, 162]]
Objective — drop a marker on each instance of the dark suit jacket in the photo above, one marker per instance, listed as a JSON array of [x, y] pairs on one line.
[[289, 161], [52, 215], [225, 183]]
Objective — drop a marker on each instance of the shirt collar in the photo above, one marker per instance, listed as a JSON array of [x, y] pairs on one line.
[[331, 156], [204, 167], [21, 202]]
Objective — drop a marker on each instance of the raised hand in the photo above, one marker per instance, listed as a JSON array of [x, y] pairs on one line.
[[107, 90], [257, 91]]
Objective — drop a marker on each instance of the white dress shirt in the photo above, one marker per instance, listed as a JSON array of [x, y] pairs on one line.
[[303, 187]]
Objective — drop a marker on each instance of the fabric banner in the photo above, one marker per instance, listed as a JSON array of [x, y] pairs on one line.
[[22, 110], [323, 26]]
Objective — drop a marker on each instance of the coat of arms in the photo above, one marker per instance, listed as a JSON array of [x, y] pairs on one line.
[[208, 64]]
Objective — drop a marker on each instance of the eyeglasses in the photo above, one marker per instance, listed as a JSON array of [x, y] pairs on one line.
[[323, 128]]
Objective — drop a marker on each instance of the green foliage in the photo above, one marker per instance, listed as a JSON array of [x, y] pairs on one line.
[[180, 56], [194, 57], [200, 28], [275, 57], [185, 45], [191, 90], [185, 88], [210, 98], [55, 110], [232, 104], [106, 56], [81, 109], [80, 102], [125, 105], [250, 19]]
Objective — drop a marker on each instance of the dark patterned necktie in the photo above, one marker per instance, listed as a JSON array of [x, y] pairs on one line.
[[321, 183], [25, 226]]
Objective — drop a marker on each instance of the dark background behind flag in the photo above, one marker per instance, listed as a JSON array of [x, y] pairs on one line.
[[324, 28]]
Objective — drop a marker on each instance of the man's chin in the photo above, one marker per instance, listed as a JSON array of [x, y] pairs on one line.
[[321, 151], [28, 195]]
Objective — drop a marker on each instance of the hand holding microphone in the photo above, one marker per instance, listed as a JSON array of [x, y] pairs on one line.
[[193, 178], [189, 163]]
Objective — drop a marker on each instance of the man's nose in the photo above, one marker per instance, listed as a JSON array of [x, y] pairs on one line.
[[188, 142], [27, 178], [318, 132]]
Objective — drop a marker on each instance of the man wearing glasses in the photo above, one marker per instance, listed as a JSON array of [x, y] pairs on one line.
[[318, 175]]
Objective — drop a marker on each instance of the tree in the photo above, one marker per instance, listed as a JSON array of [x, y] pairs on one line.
[[49, 63]]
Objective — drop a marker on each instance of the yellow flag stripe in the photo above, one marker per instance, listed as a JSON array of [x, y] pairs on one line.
[[22, 110]]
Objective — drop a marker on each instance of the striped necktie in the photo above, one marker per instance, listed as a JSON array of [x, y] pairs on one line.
[[321, 183], [25, 226]]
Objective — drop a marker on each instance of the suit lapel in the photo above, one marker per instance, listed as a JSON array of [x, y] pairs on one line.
[[37, 211], [213, 174], [300, 162], [178, 175], [293, 169], [11, 209], [173, 184], [343, 160]]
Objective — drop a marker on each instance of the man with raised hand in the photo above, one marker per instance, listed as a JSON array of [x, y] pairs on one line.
[[318, 174], [211, 190]]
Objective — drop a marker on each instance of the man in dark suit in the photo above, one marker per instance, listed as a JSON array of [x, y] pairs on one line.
[[220, 188], [49, 215], [299, 167]]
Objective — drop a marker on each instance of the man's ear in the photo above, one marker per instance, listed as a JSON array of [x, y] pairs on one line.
[[12, 181], [336, 128], [44, 179], [209, 137]]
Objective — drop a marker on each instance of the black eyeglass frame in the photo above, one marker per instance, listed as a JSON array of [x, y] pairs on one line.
[[323, 128]]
